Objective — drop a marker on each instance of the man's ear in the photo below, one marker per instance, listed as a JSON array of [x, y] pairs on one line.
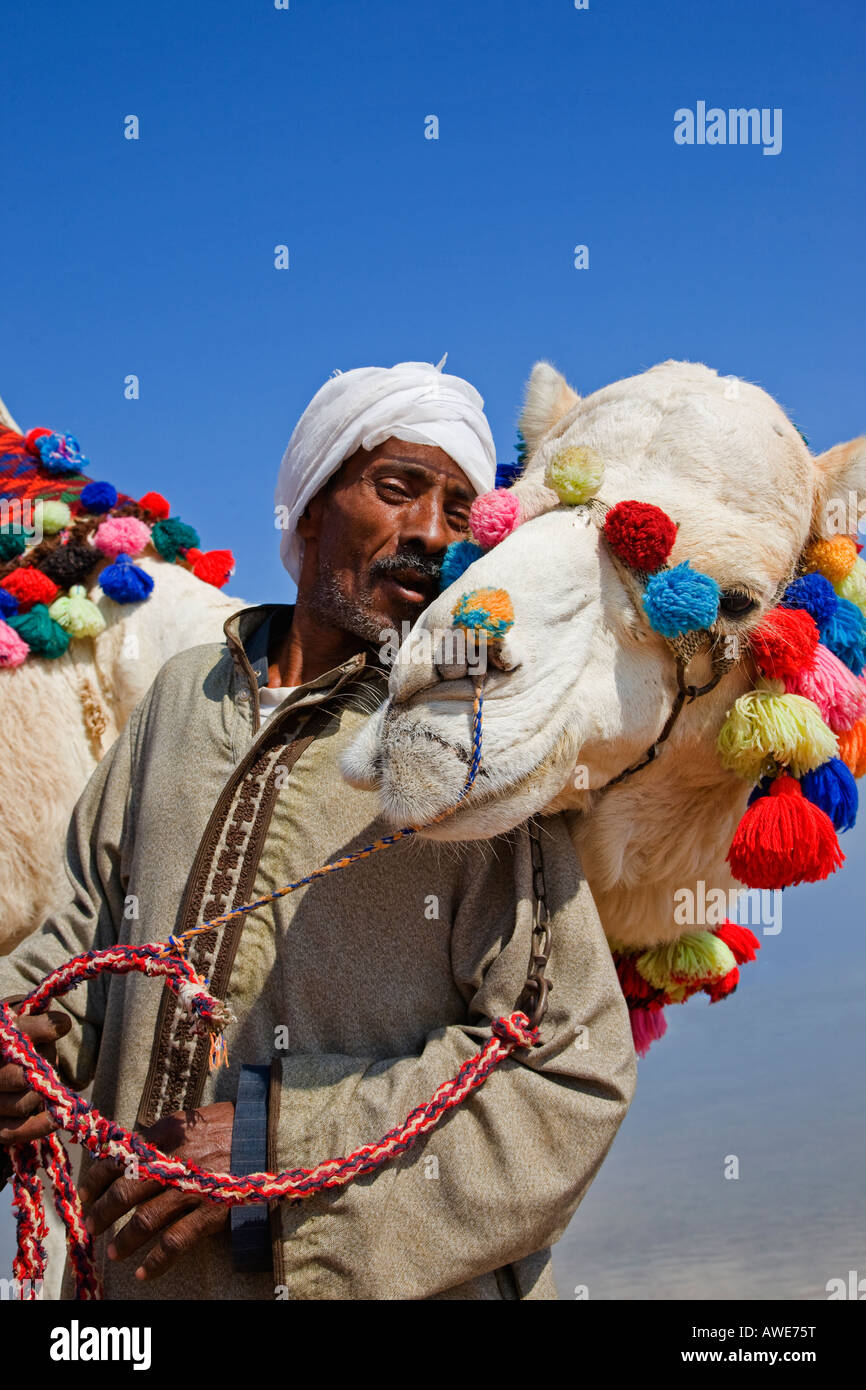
[[841, 490], [548, 398]]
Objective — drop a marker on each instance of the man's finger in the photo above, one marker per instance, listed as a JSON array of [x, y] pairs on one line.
[[19, 1103], [12, 1078], [98, 1177], [44, 1028], [26, 1130], [206, 1220], [116, 1201], [149, 1218]]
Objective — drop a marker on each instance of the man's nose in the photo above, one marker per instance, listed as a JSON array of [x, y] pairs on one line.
[[428, 526]]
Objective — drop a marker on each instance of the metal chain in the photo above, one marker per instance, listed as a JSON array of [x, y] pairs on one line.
[[533, 997]]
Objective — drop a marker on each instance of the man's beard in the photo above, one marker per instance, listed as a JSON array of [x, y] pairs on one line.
[[331, 605]]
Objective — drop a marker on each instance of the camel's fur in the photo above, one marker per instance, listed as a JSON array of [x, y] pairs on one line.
[[592, 684]]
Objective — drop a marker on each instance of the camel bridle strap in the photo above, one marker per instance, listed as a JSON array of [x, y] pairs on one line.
[[105, 1138]]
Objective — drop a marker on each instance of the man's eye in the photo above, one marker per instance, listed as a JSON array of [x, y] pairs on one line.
[[459, 520], [394, 491], [736, 603]]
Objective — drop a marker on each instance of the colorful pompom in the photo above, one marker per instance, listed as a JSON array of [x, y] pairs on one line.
[[853, 586], [845, 634], [69, 564], [30, 586], [8, 603], [30, 439], [692, 959], [52, 516], [766, 727], [507, 474], [42, 634], [852, 748], [784, 642], [212, 566], [172, 536], [456, 560], [58, 454], [742, 943], [814, 594], [155, 504], [720, 989], [833, 558], [124, 582], [783, 840], [641, 535], [636, 989], [832, 686], [493, 516], [121, 535], [485, 610], [681, 600], [647, 1026], [832, 787], [12, 543], [13, 648], [574, 474], [77, 614], [98, 497]]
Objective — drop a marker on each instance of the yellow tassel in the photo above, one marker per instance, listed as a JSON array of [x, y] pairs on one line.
[[694, 956], [52, 516], [834, 558], [76, 614], [766, 728], [853, 586], [574, 474]]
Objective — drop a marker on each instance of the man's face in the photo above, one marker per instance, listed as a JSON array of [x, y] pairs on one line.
[[375, 535]]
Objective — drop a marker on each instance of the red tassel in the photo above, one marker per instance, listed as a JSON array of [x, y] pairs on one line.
[[633, 985], [741, 942], [720, 989], [212, 566], [646, 1026], [783, 839], [784, 642], [155, 503]]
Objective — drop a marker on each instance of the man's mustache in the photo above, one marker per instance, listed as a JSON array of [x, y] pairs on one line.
[[427, 566]]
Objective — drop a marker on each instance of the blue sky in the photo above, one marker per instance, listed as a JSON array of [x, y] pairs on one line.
[[306, 127]]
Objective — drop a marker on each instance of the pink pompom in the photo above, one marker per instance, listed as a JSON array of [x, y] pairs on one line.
[[13, 649], [646, 1026], [493, 516], [829, 684], [124, 535]]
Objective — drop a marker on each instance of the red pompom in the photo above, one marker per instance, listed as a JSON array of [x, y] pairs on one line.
[[31, 437], [741, 942], [213, 566], [785, 642], [155, 503], [783, 839], [633, 985], [641, 535], [720, 989], [30, 586]]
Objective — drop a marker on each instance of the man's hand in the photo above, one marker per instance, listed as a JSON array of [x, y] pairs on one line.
[[203, 1137], [22, 1116]]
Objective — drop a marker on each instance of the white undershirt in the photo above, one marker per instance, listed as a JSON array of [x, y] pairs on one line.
[[272, 696]]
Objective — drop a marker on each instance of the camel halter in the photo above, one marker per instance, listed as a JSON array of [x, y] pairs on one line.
[[104, 1138]]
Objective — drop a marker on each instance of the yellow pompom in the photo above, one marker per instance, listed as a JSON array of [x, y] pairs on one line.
[[575, 474], [76, 614], [695, 956], [52, 516], [767, 728], [853, 586], [834, 558]]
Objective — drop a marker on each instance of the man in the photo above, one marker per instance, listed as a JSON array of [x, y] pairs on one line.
[[358, 995]]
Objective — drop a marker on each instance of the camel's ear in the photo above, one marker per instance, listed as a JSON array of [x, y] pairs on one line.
[[548, 398], [841, 492]]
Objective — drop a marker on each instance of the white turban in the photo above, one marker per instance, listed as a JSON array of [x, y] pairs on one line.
[[413, 401]]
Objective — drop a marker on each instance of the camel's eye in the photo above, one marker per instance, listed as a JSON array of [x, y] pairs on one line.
[[736, 603]]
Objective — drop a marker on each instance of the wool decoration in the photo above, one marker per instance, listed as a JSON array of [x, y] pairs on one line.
[[647, 1026], [125, 582], [69, 564], [784, 642], [42, 634], [832, 686], [832, 787], [692, 959], [212, 566], [853, 586], [76, 614], [58, 454], [845, 635], [172, 536], [834, 558], [484, 610], [493, 516], [30, 586], [13, 648], [681, 600], [456, 560], [31, 437], [635, 988], [52, 516], [508, 473], [640, 534], [8, 603], [155, 504], [814, 594], [767, 727], [783, 840], [574, 474], [852, 748], [98, 497], [12, 543], [740, 941], [121, 535], [720, 989]]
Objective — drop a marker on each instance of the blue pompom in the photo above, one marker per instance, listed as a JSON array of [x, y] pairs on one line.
[[60, 454], [507, 474], [832, 787], [125, 582], [457, 558], [815, 594], [762, 789], [681, 600], [98, 497], [8, 604], [845, 635]]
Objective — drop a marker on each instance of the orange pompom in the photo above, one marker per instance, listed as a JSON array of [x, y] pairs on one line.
[[852, 748], [834, 558]]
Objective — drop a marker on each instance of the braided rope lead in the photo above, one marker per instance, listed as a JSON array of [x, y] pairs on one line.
[[105, 1138]]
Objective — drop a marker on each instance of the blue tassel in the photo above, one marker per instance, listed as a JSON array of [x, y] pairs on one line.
[[8, 604], [125, 582], [98, 497], [456, 560], [507, 474], [681, 600], [845, 635], [815, 594], [832, 787]]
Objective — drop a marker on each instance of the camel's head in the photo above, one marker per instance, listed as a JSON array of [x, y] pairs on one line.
[[582, 684]]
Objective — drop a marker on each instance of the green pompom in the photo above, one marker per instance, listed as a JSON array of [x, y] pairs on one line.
[[53, 516], [12, 543], [575, 474], [43, 636], [173, 535], [76, 614]]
